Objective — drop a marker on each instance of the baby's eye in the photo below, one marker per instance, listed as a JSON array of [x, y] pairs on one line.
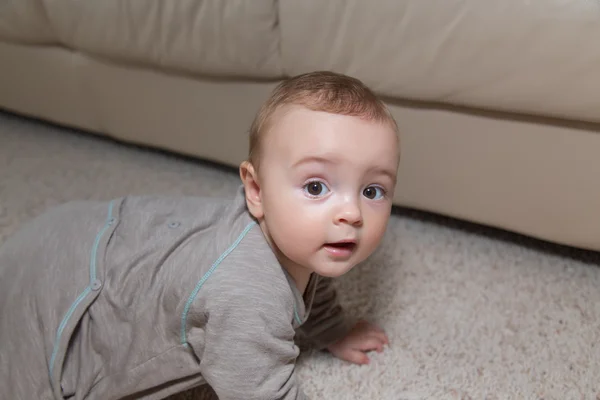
[[316, 189], [373, 193]]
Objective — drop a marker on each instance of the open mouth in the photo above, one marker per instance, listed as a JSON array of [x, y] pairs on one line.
[[342, 245], [340, 249]]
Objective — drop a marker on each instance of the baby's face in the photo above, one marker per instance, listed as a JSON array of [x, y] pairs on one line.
[[327, 183]]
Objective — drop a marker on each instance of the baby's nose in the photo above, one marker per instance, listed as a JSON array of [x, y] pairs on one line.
[[350, 213]]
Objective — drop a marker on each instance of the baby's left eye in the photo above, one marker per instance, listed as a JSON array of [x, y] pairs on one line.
[[373, 193]]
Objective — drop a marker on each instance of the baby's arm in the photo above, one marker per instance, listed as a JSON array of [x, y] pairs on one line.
[[327, 322], [328, 328], [246, 349]]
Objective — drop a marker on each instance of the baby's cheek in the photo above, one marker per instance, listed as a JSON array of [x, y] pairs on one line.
[[305, 229], [295, 225], [375, 233]]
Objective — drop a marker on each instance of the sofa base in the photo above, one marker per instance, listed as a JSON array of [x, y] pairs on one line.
[[532, 176]]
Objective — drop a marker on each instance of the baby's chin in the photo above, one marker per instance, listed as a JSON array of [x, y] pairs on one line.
[[333, 271]]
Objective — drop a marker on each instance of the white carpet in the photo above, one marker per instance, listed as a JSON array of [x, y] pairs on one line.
[[469, 315]]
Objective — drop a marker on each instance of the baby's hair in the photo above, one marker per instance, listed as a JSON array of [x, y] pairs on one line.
[[318, 91]]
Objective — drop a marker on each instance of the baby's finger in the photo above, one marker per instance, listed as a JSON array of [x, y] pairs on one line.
[[381, 336], [370, 343], [377, 329], [357, 357], [381, 340]]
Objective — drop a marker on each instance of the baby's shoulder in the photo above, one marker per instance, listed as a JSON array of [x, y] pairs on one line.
[[241, 274], [249, 272]]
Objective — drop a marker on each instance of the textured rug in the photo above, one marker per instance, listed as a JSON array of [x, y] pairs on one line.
[[472, 313]]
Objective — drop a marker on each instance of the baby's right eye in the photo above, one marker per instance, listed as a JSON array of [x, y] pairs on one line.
[[316, 189]]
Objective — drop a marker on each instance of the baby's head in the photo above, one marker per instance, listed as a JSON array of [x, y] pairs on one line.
[[321, 173]]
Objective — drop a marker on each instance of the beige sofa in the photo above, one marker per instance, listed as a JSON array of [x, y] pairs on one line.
[[498, 101]]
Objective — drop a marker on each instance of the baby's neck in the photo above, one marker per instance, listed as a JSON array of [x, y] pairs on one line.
[[300, 275]]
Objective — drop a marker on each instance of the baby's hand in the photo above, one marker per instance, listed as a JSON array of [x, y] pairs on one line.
[[362, 338]]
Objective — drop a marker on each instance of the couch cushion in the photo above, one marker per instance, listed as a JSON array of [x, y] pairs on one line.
[[221, 37], [538, 57], [25, 21]]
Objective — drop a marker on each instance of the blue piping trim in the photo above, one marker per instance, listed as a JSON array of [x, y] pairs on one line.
[[97, 243], [83, 294], [64, 323], [298, 320], [205, 278]]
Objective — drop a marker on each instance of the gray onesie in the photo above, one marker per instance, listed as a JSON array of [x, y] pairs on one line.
[[144, 297]]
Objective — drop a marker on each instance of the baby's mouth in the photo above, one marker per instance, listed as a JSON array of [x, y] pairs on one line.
[[340, 249], [342, 245]]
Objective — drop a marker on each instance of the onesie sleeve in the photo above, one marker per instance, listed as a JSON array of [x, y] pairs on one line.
[[247, 350], [327, 322]]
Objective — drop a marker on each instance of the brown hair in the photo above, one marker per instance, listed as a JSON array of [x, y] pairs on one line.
[[319, 91]]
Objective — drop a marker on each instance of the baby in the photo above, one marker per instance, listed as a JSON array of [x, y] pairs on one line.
[[147, 296]]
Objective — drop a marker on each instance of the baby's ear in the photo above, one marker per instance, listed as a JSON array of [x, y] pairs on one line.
[[251, 189]]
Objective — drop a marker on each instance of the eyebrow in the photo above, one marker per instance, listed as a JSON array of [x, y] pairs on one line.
[[332, 160], [383, 171], [314, 159]]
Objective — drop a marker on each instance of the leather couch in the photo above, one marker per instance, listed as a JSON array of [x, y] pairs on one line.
[[498, 102]]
